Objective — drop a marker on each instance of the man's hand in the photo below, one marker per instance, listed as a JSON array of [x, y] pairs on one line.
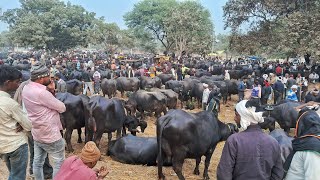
[[103, 172], [51, 86], [19, 128], [312, 103]]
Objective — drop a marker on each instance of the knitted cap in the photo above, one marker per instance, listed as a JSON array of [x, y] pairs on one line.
[[39, 70], [90, 152]]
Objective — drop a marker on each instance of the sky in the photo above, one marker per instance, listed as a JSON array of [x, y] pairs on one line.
[[113, 10]]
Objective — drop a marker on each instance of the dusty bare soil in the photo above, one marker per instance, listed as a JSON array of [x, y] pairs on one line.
[[119, 171]]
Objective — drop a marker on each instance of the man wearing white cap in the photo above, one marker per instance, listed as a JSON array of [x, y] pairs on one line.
[[292, 93], [226, 75], [205, 96], [250, 154]]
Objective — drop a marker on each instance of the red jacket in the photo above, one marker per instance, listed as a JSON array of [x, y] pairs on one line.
[[278, 70]]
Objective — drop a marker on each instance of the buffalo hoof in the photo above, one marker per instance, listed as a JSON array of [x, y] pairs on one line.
[[206, 177], [162, 177], [196, 172], [69, 149]]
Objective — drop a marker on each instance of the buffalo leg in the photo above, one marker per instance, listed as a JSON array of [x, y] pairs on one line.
[[97, 138], [287, 130], [118, 134], [177, 163], [272, 127], [207, 163], [196, 169], [109, 138], [124, 131], [181, 104], [79, 135], [142, 114], [160, 164], [67, 136]]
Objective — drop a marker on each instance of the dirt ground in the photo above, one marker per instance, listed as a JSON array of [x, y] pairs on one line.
[[119, 171]]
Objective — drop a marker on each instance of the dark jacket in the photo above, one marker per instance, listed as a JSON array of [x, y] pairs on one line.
[[265, 92], [86, 76], [310, 97], [278, 86], [250, 155]]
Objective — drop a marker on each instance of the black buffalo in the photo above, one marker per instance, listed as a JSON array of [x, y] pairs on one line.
[[284, 114], [174, 85], [108, 116], [172, 97], [146, 101], [127, 84], [148, 82], [74, 86], [165, 77], [132, 124], [232, 87], [134, 150], [182, 135], [73, 117], [109, 87], [284, 141]]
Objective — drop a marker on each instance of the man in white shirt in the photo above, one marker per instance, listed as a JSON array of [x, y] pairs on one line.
[[13, 120], [313, 77], [227, 75], [205, 96]]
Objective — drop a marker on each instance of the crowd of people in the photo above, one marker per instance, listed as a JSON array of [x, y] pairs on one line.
[[34, 108], [30, 121]]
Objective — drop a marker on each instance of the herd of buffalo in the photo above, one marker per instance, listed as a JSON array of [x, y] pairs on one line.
[[180, 134]]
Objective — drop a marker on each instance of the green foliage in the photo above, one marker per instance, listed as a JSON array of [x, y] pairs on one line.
[[5, 39], [283, 28], [49, 23], [110, 36], [177, 25]]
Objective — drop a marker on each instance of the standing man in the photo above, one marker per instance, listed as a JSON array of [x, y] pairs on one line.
[[184, 71], [285, 81], [61, 84], [43, 111], [87, 80], [242, 88], [250, 154], [303, 162], [179, 73], [313, 77], [226, 75], [278, 70], [205, 96], [256, 92], [97, 79], [278, 89], [13, 120], [265, 92], [292, 93], [47, 168]]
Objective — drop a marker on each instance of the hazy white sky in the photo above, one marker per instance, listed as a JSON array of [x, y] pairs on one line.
[[113, 10]]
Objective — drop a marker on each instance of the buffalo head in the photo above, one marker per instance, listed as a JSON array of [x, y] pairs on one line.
[[227, 130]]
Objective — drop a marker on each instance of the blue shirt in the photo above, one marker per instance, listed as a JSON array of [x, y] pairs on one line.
[[292, 95]]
